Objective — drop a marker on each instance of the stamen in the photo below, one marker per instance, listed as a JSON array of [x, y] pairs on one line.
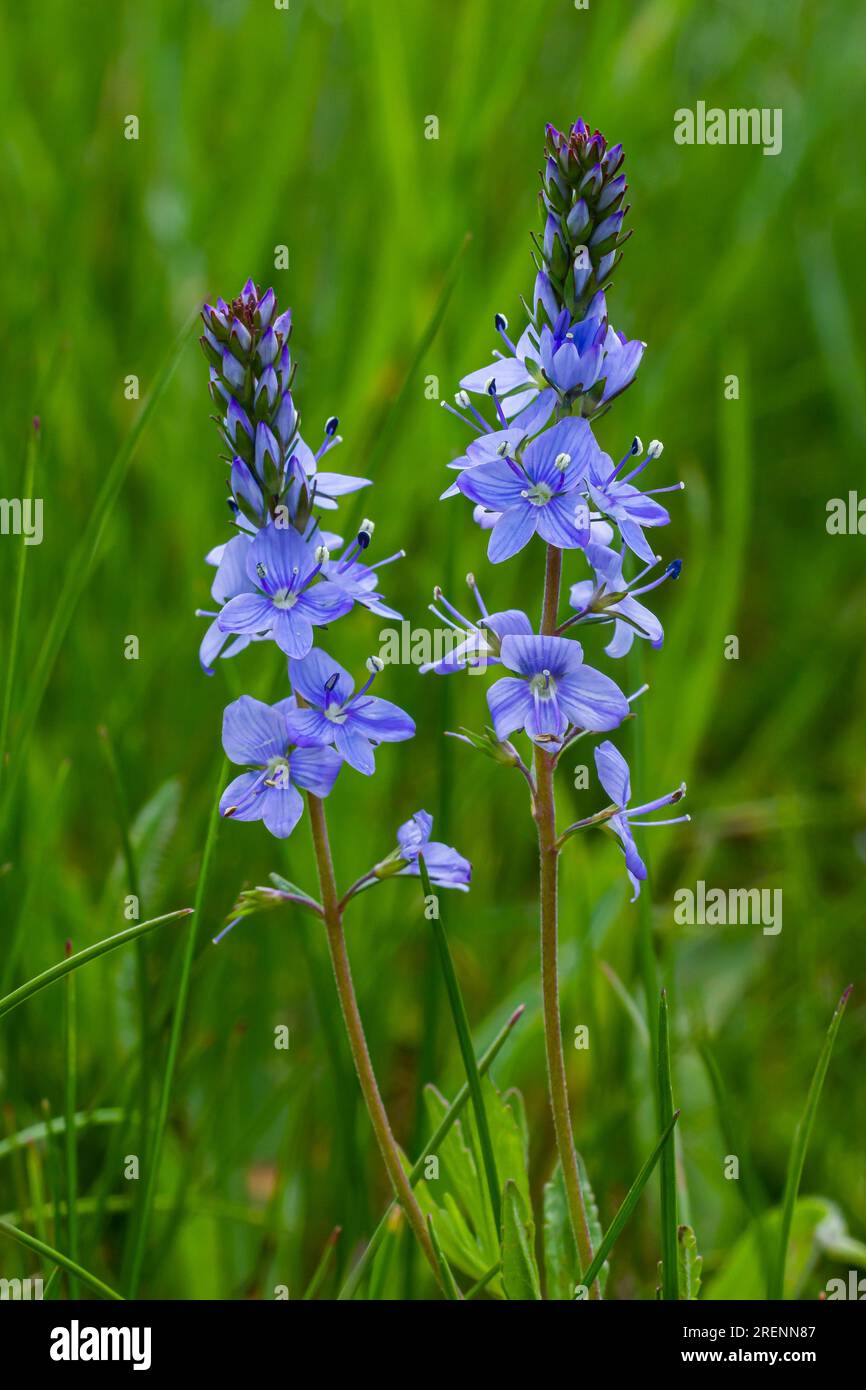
[[491, 391], [225, 931], [483, 429], [645, 824], [470, 580], [501, 324], [455, 612]]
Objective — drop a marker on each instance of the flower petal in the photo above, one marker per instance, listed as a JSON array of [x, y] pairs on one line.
[[531, 655], [253, 731], [592, 700], [613, 773], [355, 748], [510, 704], [247, 613], [309, 676], [512, 531], [282, 809], [315, 769]]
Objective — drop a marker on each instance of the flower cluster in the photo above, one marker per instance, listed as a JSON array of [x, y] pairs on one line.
[[282, 578], [533, 467]]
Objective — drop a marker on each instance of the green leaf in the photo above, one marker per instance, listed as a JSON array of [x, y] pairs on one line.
[[458, 1198], [519, 1270], [689, 1263], [561, 1263], [667, 1166], [464, 1038], [741, 1276], [628, 1205], [593, 1221], [800, 1145], [432, 1146], [49, 1253], [449, 1283], [111, 943]]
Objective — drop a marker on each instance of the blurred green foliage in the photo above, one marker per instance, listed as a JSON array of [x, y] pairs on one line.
[[306, 128]]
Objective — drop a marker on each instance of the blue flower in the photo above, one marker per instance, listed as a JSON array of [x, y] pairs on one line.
[[552, 691], [230, 580], [358, 581], [287, 602], [483, 639], [614, 598], [266, 740], [446, 868], [629, 508], [538, 490], [614, 777], [489, 448], [354, 722], [559, 364]]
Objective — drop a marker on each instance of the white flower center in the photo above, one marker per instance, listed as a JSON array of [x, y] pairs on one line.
[[539, 494], [284, 598], [543, 685]]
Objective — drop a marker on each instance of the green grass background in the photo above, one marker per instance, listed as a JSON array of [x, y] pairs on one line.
[[306, 128]]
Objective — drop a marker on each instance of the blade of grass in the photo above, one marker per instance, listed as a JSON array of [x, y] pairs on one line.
[[83, 561], [800, 1145], [12, 654], [155, 1151], [323, 1266], [464, 1037], [385, 427], [417, 1169], [132, 878], [667, 1167], [749, 1187], [110, 943], [628, 1205], [483, 1281], [70, 1145], [49, 1253], [47, 1128]]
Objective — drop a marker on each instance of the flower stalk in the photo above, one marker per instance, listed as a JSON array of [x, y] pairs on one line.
[[548, 856], [333, 918]]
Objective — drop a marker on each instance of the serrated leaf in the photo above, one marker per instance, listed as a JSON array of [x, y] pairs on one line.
[[593, 1220], [690, 1263], [449, 1283], [561, 1263], [458, 1198], [519, 1270]]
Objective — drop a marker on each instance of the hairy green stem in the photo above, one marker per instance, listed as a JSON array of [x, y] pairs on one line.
[[357, 1039], [548, 855]]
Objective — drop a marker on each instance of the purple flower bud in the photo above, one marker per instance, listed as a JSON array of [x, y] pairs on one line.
[[240, 339], [268, 348], [232, 371], [286, 422], [268, 454], [265, 310]]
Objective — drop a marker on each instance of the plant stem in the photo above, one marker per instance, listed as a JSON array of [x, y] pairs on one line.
[[355, 1033], [548, 855]]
